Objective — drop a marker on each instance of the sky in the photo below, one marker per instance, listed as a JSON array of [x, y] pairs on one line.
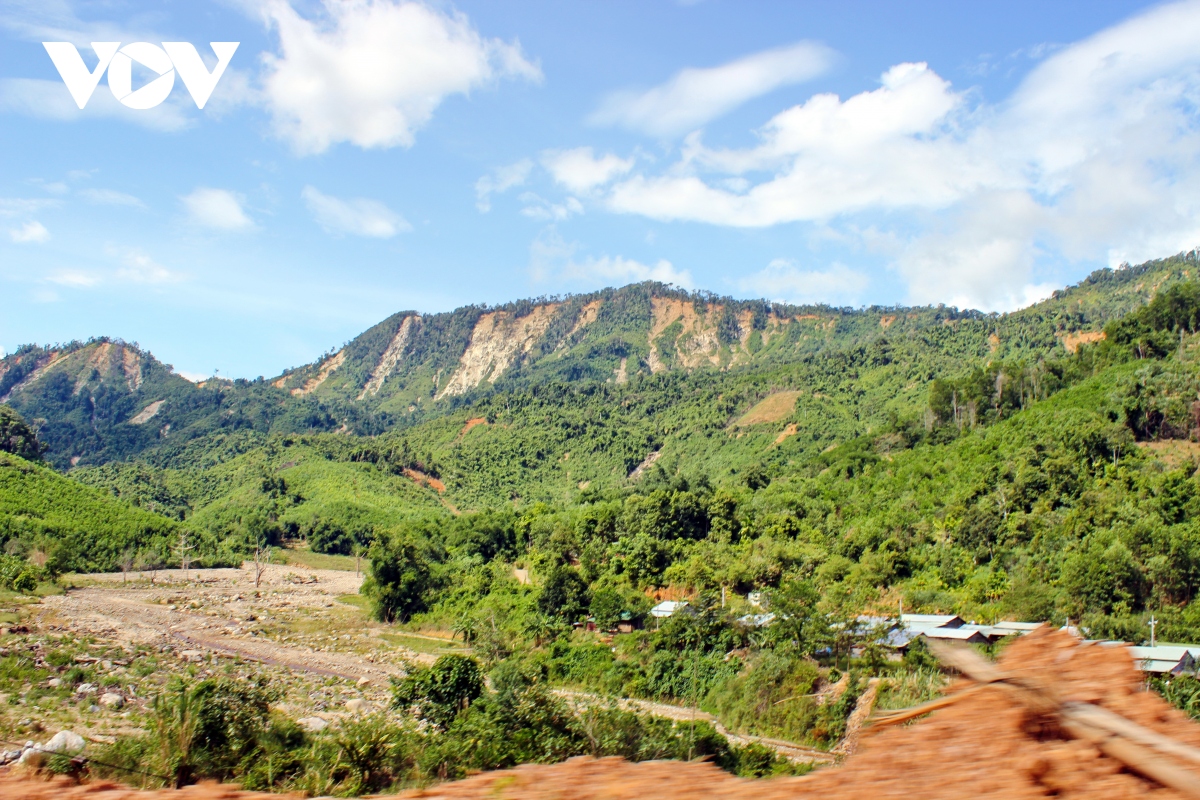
[[357, 158]]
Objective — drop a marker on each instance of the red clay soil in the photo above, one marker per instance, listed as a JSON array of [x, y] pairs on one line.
[[986, 745]]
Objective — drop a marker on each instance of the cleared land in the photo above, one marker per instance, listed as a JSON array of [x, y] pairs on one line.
[[772, 408]]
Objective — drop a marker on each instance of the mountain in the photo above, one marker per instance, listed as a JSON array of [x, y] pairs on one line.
[[103, 400]]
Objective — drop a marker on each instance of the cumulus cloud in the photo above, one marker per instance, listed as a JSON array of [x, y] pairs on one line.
[[500, 180], [217, 208], [693, 97], [785, 281], [32, 232], [1095, 156], [372, 72], [539, 208], [554, 260], [357, 216], [580, 171]]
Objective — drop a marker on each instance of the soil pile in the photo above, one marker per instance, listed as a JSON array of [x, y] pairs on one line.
[[993, 741]]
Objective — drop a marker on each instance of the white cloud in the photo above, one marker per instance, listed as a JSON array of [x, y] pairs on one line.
[[693, 97], [536, 207], [553, 260], [75, 279], [357, 216], [500, 180], [783, 280], [216, 208], [137, 267], [1095, 157], [884, 149], [24, 206], [32, 232], [49, 99], [372, 72], [108, 197], [580, 171]]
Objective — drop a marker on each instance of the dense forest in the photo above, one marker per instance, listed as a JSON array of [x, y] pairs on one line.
[[1039, 465]]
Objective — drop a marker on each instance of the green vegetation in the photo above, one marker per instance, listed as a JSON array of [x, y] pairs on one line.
[[58, 525], [1039, 465]]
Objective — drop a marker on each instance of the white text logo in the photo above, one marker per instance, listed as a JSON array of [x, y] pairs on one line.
[[165, 61]]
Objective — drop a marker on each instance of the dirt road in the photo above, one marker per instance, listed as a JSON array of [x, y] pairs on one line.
[[221, 611], [790, 750]]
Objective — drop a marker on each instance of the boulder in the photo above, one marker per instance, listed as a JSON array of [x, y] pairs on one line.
[[111, 700], [312, 724], [85, 688], [67, 742], [356, 705], [363, 681], [54, 683]]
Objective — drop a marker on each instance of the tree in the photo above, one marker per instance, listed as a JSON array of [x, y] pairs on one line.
[[565, 594], [183, 552], [400, 577], [262, 557], [126, 563], [17, 437], [440, 692]]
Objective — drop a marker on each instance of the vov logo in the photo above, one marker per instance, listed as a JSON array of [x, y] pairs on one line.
[[167, 60]]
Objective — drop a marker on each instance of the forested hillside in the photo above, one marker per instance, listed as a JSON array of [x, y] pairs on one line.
[[105, 400], [960, 460]]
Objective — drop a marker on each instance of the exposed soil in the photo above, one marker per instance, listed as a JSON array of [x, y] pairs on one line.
[[772, 408]]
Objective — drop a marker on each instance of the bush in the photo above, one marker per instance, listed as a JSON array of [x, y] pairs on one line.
[[440, 692]]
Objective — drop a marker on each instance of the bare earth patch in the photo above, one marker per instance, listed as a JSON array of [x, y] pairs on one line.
[[772, 408]]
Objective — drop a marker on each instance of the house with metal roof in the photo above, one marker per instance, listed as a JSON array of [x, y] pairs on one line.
[[1166, 659], [668, 608], [932, 620], [901, 638]]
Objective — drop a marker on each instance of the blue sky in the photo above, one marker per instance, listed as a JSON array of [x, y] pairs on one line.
[[360, 158]]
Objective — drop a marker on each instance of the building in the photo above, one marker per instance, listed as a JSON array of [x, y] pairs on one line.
[[1166, 659], [668, 608]]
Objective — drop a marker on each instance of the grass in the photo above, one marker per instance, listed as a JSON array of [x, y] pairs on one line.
[[356, 600], [772, 408], [422, 645], [307, 558]]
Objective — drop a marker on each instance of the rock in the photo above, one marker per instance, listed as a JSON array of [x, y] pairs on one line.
[[312, 724], [106, 665], [54, 683], [85, 688], [93, 708], [356, 705], [67, 742], [192, 655], [111, 700], [364, 681]]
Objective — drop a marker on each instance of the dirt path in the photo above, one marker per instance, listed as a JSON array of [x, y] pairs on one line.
[[858, 718], [797, 753]]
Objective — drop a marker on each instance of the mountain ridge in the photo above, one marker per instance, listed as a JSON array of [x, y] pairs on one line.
[[105, 399]]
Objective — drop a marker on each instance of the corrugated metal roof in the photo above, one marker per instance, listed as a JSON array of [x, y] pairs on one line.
[[932, 620], [667, 607]]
